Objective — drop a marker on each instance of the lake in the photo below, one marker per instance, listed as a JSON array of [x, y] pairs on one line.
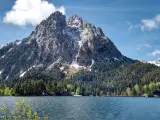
[[94, 108]]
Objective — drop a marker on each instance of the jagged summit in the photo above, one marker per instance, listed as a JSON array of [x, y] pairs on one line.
[[75, 21], [73, 43], [56, 18]]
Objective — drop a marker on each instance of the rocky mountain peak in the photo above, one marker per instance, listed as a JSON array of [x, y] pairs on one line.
[[100, 32], [56, 18], [75, 21], [53, 23], [75, 43]]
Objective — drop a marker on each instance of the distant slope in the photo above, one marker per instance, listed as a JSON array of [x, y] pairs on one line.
[[156, 62]]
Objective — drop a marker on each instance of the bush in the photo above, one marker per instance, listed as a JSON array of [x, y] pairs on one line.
[[20, 111]]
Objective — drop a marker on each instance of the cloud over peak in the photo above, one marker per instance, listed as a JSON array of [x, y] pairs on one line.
[[31, 12]]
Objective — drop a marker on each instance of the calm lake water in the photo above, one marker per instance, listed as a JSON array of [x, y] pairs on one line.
[[94, 108]]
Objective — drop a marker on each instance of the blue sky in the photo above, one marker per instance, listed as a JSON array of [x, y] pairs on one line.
[[133, 25]]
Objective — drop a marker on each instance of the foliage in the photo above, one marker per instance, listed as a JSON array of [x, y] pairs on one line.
[[123, 80], [20, 111]]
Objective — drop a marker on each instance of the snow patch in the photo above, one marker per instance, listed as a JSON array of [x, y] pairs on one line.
[[80, 43], [28, 42], [18, 42], [1, 72], [92, 63], [31, 67], [75, 21], [10, 50], [7, 77], [155, 63], [62, 68], [84, 35], [1, 46], [76, 66], [116, 59], [22, 74], [74, 26], [2, 56], [52, 65]]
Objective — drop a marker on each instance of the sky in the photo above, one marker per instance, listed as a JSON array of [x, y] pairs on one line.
[[133, 25]]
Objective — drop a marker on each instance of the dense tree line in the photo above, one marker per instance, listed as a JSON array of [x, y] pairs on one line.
[[124, 80]]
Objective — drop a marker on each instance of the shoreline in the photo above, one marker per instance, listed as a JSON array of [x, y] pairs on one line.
[[89, 96]]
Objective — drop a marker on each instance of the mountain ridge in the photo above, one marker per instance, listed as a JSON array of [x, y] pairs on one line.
[[73, 43]]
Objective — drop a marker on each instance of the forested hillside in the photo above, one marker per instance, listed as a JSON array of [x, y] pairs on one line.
[[125, 80]]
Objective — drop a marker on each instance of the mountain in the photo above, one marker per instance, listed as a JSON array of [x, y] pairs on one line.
[[156, 62], [73, 57], [59, 43]]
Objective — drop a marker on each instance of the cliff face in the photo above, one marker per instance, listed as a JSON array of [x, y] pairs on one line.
[[74, 42]]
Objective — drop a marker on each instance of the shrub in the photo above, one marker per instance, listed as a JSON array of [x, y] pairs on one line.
[[20, 111]]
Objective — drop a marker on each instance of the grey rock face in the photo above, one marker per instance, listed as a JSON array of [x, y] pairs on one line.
[[56, 40]]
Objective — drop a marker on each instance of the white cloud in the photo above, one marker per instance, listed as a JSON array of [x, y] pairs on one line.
[[147, 45], [157, 18], [155, 53], [150, 24], [140, 47], [30, 12], [131, 26]]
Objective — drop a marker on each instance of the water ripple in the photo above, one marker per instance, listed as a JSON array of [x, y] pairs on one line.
[[94, 108]]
